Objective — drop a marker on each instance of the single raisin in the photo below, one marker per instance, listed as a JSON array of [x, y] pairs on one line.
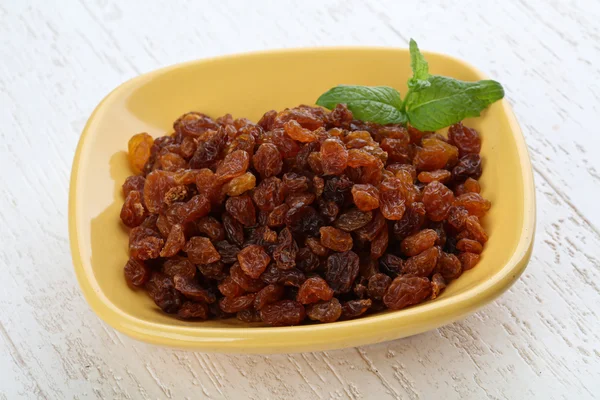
[[419, 242], [139, 147], [378, 284], [466, 139], [253, 260], [406, 290], [335, 239], [200, 250], [267, 160], [284, 312], [314, 289], [355, 308], [137, 272], [242, 209], [325, 311], [422, 264], [342, 269], [468, 260]]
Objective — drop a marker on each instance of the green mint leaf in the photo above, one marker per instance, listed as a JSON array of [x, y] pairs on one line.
[[379, 104], [419, 67], [447, 101]]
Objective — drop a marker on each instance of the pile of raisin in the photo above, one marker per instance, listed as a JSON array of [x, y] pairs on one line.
[[308, 215]]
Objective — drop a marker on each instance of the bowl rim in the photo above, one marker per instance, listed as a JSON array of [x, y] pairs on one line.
[[372, 329]]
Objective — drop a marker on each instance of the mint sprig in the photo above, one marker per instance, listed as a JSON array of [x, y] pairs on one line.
[[431, 103]]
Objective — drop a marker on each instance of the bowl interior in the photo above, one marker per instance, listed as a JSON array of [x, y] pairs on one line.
[[247, 86]]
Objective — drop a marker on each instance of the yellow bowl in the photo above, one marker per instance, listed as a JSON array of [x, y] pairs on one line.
[[247, 85]]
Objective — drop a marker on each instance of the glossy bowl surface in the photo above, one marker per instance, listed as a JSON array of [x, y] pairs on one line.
[[247, 85]]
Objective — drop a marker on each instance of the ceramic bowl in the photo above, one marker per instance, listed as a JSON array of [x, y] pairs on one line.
[[247, 85]]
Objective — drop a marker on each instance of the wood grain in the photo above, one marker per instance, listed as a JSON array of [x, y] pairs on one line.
[[539, 340]]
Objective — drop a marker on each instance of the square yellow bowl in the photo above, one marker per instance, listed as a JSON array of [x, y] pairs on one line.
[[247, 85]]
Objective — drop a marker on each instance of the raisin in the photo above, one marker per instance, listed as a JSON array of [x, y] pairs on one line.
[[200, 250], [240, 184], [335, 239], [192, 290], [248, 315], [391, 264], [207, 154], [268, 194], [449, 266], [368, 232], [139, 147], [353, 219], [137, 272], [437, 200], [476, 230], [466, 139], [268, 295], [157, 185], [468, 166], [379, 244], [296, 200], [419, 242], [316, 247], [171, 161], [304, 220], [229, 288], [334, 157], [215, 270], [411, 221], [247, 283], [144, 243], [398, 150], [468, 245], [405, 291], [294, 183], [242, 209], [234, 231], [294, 130], [134, 182], [193, 124], [197, 207], [193, 310], [253, 260], [133, 212], [175, 241], [342, 269], [161, 289], [473, 203], [227, 251], [366, 197], [267, 160], [468, 260], [457, 216], [391, 202], [329, 210], [314, 289], [287, 146], [440, 175], [315, 163], [211, 228], [276, 217], [282, 313], [438, 284], [434, 154], [355, 308], [179, 266], [235, 304], [285, 252], [422, 264], [325, 311], [378, 284], [340, 116], [175, 194], [288, 277], [306, 260]]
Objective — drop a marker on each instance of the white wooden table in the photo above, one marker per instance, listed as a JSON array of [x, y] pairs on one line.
[[541, 339]]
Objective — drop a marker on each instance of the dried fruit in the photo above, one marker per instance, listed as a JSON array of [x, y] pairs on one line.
[[133, 212], [437, 200], [137, 272], [468, 260], [419, 242], [253, 260], [422, 264], [242, 209], [313, 290], [284, 312], [200, 250], [268, 295], [175, 242], [325, 311], [139, 148], [378, 284], [406, 290], [297, 211], [335, 239], [267, 160], [342, 270]]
